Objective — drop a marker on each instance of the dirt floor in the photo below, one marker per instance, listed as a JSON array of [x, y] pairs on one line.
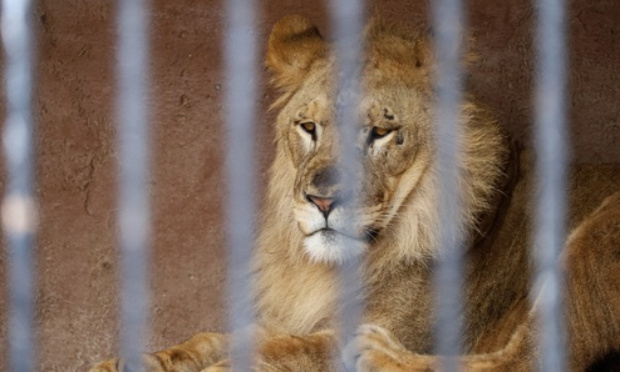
[[77, 267]]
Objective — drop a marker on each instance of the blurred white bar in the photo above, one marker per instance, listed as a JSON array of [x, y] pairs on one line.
[[550, 144], [18, 206], [347, 20], [133, 164], [449, 28], [240, 57]]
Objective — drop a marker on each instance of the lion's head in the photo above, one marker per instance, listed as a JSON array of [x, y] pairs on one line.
[[397, 195]]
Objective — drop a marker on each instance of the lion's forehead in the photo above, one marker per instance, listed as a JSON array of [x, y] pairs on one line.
[[319, 96], [322, 107]]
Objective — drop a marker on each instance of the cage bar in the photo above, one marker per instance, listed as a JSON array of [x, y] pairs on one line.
[[550, 144], [240, 57], [18, 206], [347, 18], [448, 21], [133, 165]]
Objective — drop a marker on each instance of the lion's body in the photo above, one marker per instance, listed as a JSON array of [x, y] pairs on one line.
[[306, 234]]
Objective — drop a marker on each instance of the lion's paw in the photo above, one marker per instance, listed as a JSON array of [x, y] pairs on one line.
[[112, 365], [373, 349], [150, 363], [223, 366]]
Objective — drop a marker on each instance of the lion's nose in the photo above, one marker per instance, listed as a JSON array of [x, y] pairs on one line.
[[325, 205]]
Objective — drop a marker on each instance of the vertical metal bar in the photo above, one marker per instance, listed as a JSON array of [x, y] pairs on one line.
[[134, 174], [449, 25], [240, 57], [18, 206], [550, 144], [347, 22]]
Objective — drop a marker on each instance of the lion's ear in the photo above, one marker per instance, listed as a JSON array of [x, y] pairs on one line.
[[293, 45]]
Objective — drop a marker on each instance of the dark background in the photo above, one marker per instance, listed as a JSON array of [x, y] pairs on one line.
[[76, 256]]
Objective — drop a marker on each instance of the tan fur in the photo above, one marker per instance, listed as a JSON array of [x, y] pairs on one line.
[[297, 281]]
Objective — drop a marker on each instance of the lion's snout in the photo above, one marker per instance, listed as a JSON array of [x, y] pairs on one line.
[[325, 205], [326, 179]]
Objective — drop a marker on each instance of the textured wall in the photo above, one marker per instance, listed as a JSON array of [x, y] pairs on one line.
[[76, 253]]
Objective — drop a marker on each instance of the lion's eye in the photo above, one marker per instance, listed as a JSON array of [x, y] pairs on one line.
[[309, 127], [379, 132]]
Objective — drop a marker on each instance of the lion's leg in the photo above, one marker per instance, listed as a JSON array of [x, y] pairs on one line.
[[200, 351], [592, 260], [310, 353], [376, 350]]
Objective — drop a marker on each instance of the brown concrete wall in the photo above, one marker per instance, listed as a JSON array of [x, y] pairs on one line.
[[76, 252]]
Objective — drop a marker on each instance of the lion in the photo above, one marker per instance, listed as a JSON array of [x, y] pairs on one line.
[[306, 236]]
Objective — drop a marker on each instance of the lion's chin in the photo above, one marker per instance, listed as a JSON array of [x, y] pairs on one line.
[[328, 246]]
